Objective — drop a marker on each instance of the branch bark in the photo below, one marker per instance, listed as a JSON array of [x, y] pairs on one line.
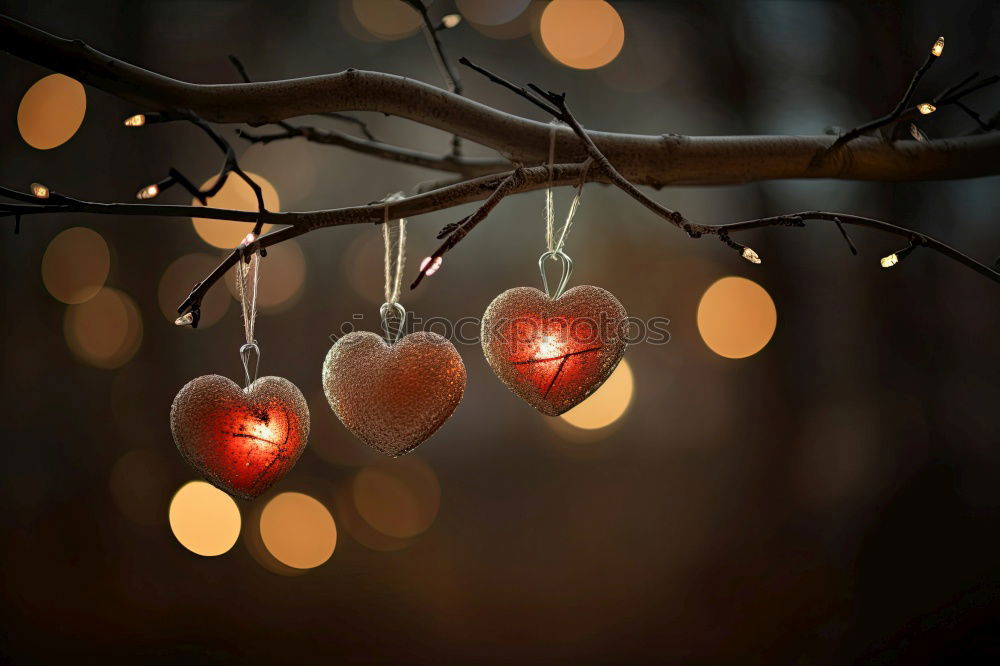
[[644, 160]]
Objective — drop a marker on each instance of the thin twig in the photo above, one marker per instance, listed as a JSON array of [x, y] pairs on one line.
[[450, 76], [467, 224]]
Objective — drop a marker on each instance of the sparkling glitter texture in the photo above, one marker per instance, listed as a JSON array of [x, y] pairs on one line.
[[554, 353], [393, 397], [242, 441]]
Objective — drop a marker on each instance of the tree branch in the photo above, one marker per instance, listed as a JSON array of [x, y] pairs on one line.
[[643, 160]]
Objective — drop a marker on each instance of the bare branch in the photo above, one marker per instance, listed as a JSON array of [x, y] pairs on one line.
[[643, 160]]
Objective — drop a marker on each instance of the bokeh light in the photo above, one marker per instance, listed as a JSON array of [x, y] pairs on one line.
[[282, 277], [106, 330], [608, 403], [736, 317], [298, 530], [75, 265], [234, 195], [140, 486], [399, 498], [583, 34], [178, 280], [204, 519], [51, 111], [387, 19], [355, 525]]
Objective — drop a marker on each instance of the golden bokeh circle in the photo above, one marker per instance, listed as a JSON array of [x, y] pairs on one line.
[[736, 317], [51, 111], [582, 34], [106, 330], [234, 195], [387, 19], [298, 530], [75, 265], [282, 278], [178, 280], [608, 403], [204, 519], [399, 498]]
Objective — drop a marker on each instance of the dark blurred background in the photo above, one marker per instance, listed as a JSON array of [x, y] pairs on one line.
[[832, 498]]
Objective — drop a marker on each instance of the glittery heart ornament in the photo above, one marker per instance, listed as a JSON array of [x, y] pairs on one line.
[[553, 353], [241, 440], [393, 396]]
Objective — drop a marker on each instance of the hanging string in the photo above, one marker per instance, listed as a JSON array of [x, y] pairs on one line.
[[393, 265], [248, 304], [551, 243]]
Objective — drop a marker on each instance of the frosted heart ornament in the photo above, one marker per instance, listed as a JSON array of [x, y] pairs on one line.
[[394, 392], [393, 395], [554, 351], [242, 440]]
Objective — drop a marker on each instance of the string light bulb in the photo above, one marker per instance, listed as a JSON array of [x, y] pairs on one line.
[[750, 255], [185, 320], [896, 257], [433, 268], [40, 191], [938, 47], [148, 192], [138, 120], [248, 239], [926, 108], [450, 21]]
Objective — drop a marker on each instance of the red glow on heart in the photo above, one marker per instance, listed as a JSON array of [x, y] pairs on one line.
[[243, 441], [552, 353]]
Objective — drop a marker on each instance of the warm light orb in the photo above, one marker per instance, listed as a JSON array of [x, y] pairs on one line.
[[75, 265], [204, 519], [180, 277], [235, 195], [926, 108], [399, 498], [298, 530], [51, 111], [40, 191], [938, 47], [387, 19], [736, 317], [608, 404], [105, 331], [583, 34], [283, 278]]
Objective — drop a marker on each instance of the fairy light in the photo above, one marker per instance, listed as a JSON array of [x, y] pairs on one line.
[[896, 257], [185, 320], [451, 20], [433, 268], [40, 191], [148, 192], [750, 255], [248, 239], [138, 120], [938, 47], [926, 108]]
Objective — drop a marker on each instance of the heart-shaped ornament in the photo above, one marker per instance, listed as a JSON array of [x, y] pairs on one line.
[[241, 440], [553, 353], [393, 396]]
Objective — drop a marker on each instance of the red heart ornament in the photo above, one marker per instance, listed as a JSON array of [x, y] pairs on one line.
[[241, 440], [393, 396], [554, 353]]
